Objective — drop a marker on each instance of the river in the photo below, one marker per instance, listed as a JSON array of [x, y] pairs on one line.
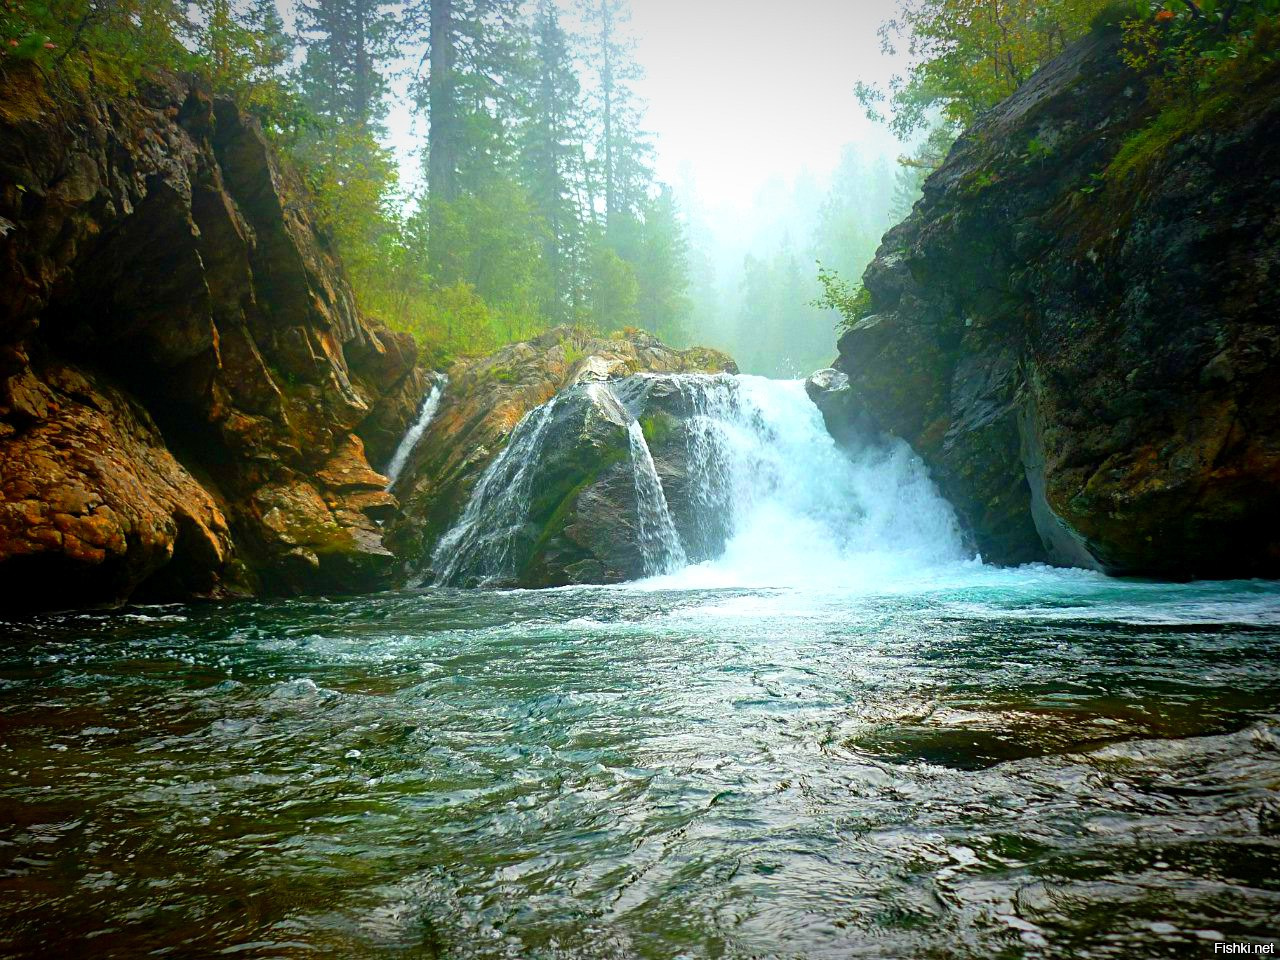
[[1008, 763], [844, 736]]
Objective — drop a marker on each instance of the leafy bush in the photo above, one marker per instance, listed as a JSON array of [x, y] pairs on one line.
[[1200, 59], [852, 301]]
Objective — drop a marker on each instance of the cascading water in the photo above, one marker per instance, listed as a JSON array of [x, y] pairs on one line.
[[414, 434], [793, 508], [480, 543], [773, 500], [660, 544]]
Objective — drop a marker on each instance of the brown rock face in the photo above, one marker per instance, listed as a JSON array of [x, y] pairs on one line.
[[91, 502], [184, 375], [486, 399], [1088, 360]]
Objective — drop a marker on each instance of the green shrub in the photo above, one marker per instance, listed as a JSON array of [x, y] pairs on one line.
[[852, 302]]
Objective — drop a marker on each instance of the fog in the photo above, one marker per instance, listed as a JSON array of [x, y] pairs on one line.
[[773, 161]]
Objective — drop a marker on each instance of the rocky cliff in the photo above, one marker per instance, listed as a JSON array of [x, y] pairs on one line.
[[485, 401], [1077, 326], [186, 385]]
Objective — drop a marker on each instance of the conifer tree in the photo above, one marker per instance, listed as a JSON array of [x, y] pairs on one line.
[[348, 46], [551, 159], [623, 150]]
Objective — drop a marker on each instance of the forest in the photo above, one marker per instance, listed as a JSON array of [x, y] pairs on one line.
[[530, 199]]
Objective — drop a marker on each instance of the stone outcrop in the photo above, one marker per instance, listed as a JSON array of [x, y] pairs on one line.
[[486, 400], [569, 502], [189, 398], [1085, 350]]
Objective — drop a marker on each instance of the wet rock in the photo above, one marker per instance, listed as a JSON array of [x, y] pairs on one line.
[[846, 417], [1087, 360], [563, 505], [93, 506], [487, 398], [184, 376]]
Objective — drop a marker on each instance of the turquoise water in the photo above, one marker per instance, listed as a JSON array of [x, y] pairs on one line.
[[981, 764]]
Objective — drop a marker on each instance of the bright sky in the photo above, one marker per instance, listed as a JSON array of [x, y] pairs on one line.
[[740, 91]]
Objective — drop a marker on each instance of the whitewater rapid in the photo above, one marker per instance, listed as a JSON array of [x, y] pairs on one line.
[[801, 511], [778, 504]]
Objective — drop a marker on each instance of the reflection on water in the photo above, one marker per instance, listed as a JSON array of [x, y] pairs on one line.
[[1006, 764]]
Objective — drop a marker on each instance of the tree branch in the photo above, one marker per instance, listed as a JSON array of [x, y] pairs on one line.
[[1228, 14]]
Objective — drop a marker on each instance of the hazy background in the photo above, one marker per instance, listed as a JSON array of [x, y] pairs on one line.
[[773, 161]]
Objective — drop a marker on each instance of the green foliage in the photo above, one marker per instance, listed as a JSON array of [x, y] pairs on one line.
[[549, 212], [1184, 48], [981, 180], [110, 44], [968, 55], [1037, 150], [613, 293], [657, 429], [653, 249], [852, 302], [540, 208], [347, 45], [1199, 59], [1116, 13]]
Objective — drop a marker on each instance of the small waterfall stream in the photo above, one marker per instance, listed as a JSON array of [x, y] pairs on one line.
[[414, 434], [660, 544], [483, 537]]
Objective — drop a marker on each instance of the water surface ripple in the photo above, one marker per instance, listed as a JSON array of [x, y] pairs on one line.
[[1024, 763]]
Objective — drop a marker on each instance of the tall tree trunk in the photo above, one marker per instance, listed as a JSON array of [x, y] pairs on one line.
[[442, 147], [362, 92], [606, 92], [552, 187]]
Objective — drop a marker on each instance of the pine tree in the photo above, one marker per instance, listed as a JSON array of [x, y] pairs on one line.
[[476, 60], [623, 150], [348, 46], [662, 269], [244, 46], [551, 160]]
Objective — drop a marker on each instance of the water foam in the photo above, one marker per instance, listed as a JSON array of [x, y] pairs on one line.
[[802, 512], [778, 504], [484, 537], [660, 545]]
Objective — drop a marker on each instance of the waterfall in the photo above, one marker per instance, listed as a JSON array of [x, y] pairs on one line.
[[429, 407], [480, 543], [784, 505], [768, 499], [659, 542]]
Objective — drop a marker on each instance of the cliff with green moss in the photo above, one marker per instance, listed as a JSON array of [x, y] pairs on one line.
[[189, 398], [1077, 325]]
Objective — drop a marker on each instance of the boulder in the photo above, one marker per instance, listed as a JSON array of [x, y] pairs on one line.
[[93, 507], [487, 398], [586, 490]]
